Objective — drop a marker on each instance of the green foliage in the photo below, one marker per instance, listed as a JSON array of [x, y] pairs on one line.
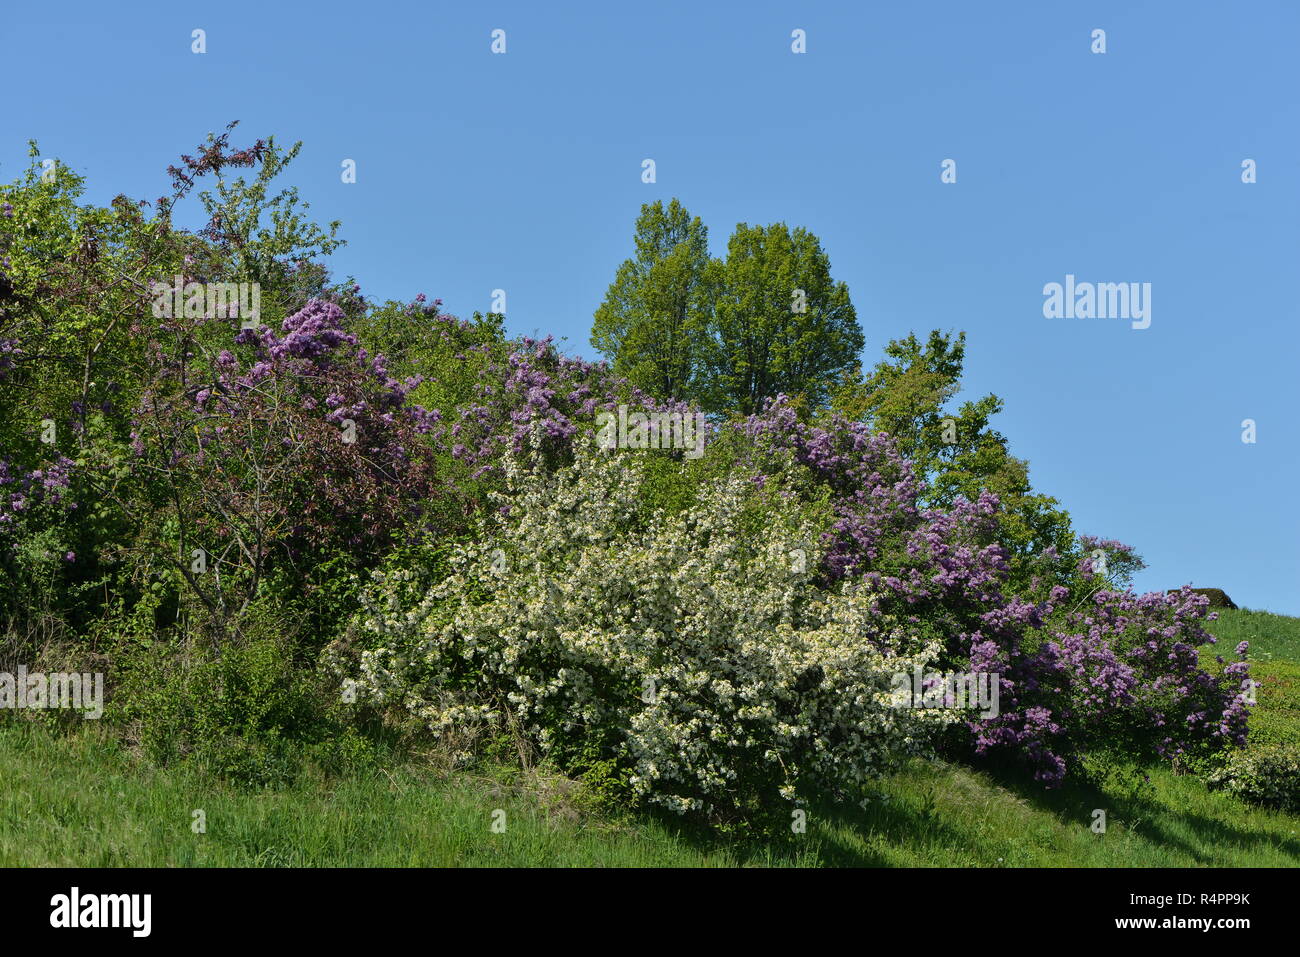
[[321, 595], [227, 707], [76, 283], [448, 356], [781, 325], [957, 451], [671, 485], [261, 236], [653, 320]]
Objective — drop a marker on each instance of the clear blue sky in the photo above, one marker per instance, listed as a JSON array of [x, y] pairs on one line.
[[523, 171]]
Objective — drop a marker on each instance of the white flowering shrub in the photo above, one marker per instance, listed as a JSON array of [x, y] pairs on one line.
[[1267, 774], [689, 654]]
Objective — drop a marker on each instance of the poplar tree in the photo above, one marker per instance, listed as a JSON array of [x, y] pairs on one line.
[[652, 321], [780, 324]]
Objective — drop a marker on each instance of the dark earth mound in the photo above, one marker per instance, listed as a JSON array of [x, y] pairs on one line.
[[1218, 598]]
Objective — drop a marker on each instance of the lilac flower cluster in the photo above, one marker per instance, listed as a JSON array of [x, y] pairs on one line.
[[328, 371], [875, 491], [292, 395], [532, 387], [23, 493], [9, 351]]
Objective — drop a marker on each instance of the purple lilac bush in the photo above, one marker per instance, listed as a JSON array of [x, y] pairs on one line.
[[299, 429], [1081, 666]]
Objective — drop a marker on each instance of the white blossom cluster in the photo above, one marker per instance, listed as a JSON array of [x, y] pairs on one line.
[[698, 642]]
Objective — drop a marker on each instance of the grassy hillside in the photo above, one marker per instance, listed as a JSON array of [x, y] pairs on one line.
[[1275, 664], [84, 800]]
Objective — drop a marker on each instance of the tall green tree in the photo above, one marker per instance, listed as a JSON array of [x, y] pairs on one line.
[[781, 324], [651, 323]]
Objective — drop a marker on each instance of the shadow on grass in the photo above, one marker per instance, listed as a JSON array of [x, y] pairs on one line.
[[839, 834], [910, 831], [1074, 802]]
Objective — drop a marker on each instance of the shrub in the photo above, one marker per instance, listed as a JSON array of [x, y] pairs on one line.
[[692, 652], [204, 703], [1267, 774], [1118, 671]]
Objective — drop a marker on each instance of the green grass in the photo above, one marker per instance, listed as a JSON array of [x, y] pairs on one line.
[[83, 799], [1272, 637], [1275, 663]]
